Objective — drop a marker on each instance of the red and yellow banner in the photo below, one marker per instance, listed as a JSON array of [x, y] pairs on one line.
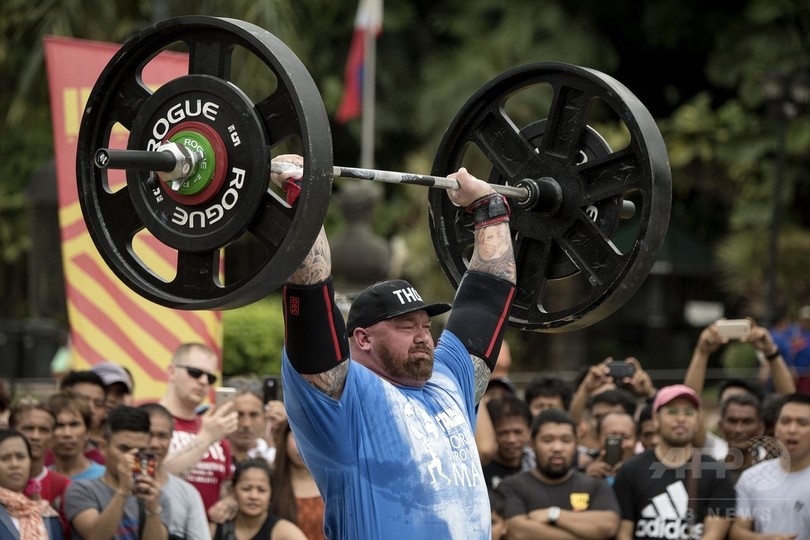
[[108, 321]]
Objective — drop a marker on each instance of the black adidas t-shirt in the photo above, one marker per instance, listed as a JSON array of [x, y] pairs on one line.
[[656, 498], [525, 492]]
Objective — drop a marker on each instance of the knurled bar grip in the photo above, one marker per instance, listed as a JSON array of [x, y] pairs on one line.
[[137, 160], [392, 177]]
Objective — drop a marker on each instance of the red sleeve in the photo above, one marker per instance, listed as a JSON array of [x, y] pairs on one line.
[[226, 447]]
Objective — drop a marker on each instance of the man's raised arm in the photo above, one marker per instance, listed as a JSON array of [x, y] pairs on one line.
[[484, 296], [315, 342], [493, 254]]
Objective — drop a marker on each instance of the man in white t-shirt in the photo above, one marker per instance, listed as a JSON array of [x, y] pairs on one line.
[[773, 497]]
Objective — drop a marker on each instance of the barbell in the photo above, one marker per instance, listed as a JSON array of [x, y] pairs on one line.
[[199, 155]]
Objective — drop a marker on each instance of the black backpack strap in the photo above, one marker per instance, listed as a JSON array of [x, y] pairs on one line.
[[692, 487], [141, 518], [228, 530]]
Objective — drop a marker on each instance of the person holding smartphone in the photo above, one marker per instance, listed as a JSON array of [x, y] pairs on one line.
[[126, 503], [200, 451], [617, 439]]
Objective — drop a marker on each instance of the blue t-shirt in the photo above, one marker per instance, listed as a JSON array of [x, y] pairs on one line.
[[394, 462], [90, 473]]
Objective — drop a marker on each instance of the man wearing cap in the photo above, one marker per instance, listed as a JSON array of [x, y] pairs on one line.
[[382, 418], [674, 491], [117, 384]]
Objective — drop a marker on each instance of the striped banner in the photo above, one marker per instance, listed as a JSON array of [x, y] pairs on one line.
[[109, 322]]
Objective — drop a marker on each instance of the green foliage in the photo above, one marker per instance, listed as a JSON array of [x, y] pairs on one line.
[[739, 359], [744, 262], [698, 66], [253, 338]]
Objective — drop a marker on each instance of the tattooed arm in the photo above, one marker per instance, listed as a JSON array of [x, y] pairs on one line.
[[493, 252], [314, 324], [485, 294]]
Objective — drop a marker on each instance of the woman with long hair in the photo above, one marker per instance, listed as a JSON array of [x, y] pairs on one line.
[[21, 517], [295, 494], [252, 489]]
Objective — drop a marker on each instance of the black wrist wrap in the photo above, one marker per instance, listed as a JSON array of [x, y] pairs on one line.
[[315, 333], [480, 312], [485, 211]]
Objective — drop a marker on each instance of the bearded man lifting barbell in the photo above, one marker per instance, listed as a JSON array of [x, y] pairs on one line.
[[384, 422], [387, 432]]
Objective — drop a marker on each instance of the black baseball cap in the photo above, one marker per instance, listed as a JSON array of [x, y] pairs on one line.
[[386, 300]]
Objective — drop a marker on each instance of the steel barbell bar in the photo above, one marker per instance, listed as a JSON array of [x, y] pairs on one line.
[[173, 163]]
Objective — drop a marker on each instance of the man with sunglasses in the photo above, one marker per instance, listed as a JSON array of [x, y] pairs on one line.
[[199, 450]]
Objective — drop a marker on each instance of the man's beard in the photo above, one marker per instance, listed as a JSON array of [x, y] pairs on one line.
[[677, 441], [413, 368], [244, 437], [555, 471]]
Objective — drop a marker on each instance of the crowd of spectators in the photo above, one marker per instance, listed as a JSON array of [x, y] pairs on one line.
[[610, 456], [616, 456], [86, 463]]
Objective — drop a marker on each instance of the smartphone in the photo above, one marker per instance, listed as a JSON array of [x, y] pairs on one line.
[[620, 370], [613, 450], [223, 395], [733, 328], [270, 388], [145, 464]]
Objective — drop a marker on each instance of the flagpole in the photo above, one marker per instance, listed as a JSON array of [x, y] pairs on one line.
[[369, 98]]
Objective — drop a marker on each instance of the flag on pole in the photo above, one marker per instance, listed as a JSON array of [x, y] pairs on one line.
[[368, 20]]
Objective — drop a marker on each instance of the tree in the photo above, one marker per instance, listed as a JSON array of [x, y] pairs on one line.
[[697, 66]]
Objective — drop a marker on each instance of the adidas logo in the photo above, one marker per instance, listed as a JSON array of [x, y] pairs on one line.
[[668, 516]]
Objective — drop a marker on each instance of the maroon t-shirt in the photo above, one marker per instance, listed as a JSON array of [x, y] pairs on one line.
[[52, 489], [212, 470]]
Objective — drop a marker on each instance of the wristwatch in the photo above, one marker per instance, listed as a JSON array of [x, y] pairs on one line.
[[553, 514], [773, 355]]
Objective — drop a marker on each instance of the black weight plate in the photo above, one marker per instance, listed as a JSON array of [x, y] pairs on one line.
[[548, 245], [605, 212], [293, 109], [209, 224]]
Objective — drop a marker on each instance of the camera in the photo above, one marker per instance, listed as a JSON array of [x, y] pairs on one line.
[[270, 389], [145, 464], [733, 328], [223, 395], [613, 450], [620, 370]]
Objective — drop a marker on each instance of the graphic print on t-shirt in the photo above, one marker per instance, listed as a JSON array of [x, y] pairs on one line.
[[431, 436], [667, 516]]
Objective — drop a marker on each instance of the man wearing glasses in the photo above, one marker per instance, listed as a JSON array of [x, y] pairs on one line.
[[198, 452], [673, 490]]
